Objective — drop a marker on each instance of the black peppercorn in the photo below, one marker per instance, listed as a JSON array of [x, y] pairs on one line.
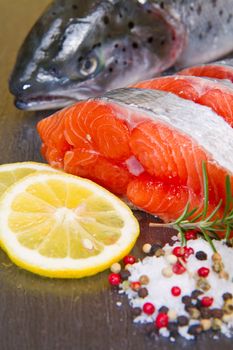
[[200, 255], [227, 296], [195, 329], [163, 309], [187, 300], [188, 307], [154, 249], [196, 293], [182, 321], [229, 243], [143, 292], [205, 313], [198, 304], [124, 275]]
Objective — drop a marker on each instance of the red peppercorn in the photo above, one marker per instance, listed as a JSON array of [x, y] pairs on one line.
[[203, 271], [176, 291], [207, 301], [187, 252], [191, 235], [129, 259], [161, 320], [135, 286], [148, 308], [178, 251], [114, 279], [178, 269]]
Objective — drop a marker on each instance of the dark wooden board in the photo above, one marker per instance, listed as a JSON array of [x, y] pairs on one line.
[[44, 314]]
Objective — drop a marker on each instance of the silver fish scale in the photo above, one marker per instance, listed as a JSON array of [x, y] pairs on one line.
[[209, 130]]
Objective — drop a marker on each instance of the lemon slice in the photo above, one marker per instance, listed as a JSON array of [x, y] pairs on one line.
[[60, 225], [10, 173]]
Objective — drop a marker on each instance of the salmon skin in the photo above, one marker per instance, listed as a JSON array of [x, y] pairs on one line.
[[145, 145], [215, 94], [81, 49], [218, 70]]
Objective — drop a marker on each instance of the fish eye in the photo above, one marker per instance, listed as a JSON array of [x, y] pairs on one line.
[[88, 66]]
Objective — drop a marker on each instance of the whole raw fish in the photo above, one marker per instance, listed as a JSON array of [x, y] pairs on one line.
[[83, 48]]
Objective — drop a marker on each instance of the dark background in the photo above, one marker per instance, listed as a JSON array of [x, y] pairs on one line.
[[44, 314]]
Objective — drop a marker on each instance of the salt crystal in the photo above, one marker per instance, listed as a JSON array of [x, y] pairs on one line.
[[159, 287]]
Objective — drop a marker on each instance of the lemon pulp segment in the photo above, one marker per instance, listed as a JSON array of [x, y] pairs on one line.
[[60, 225]]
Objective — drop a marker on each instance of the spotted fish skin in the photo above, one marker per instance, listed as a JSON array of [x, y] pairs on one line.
[[81, 49]]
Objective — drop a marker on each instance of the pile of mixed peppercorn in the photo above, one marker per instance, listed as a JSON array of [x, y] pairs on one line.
[[199, 312]]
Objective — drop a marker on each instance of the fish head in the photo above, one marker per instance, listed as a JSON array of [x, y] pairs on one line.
[[81, 49]]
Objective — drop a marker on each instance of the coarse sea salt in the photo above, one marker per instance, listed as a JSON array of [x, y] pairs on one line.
[[159, 287]]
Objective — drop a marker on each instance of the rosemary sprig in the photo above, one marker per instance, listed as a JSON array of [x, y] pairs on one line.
[[208, 225]]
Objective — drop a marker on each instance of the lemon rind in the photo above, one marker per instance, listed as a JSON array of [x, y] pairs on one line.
[[65, 267]]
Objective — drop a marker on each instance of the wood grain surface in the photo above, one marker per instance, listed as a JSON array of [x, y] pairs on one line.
[[44, 314]]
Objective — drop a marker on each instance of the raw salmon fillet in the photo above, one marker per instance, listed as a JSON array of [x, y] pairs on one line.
[[203, 91], [146, 145], [218, 70]]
